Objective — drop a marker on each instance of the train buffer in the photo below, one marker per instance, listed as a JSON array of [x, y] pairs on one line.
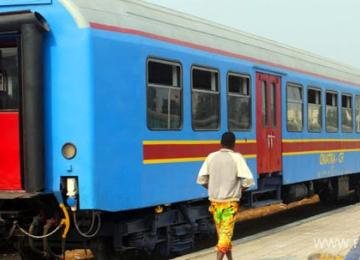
[[331, 235]]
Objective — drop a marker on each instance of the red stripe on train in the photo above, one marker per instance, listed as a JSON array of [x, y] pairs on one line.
[[319, 146], [173, 151], [178, 151]]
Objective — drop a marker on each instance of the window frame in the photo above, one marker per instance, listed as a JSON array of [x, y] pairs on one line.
[[243, 75], [338, 119], [355, 130], [218, 92], [347, 94], [301, 86], [181, 87], [321, 108]]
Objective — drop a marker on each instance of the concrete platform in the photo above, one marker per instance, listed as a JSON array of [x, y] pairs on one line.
[[332, 235]]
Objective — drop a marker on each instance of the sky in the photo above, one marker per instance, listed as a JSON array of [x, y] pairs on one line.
[[329, 28]]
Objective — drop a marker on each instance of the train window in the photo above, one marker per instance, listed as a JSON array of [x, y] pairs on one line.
[[205, 99], [346, 113], [272, 104], [239, 102], [357, 114], [294, 107], [9, 80], [331, 112], [314, 110], [264, 111], [164, 95]]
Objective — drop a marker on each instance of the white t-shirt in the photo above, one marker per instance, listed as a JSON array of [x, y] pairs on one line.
[[225, 172]]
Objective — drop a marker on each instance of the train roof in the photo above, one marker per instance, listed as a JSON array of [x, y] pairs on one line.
[[134, 16]]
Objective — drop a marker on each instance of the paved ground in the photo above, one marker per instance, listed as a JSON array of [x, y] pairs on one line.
[[332, 235]]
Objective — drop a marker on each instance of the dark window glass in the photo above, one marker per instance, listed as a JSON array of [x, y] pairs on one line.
[[164, 96], [165, 74], [205, 80], [239, 105], [346, 113], [264, 103], [205, 99], [273, 104], [294, 108], [331, 99], [357, 114], [239, 84], [314, 110], [9, 80], [331, 115]]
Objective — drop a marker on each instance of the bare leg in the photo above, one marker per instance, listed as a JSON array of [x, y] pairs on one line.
[[219, 256], [229, 255]]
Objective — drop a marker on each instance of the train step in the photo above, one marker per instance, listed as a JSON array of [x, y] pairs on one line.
[[263, 203], [264, 191], [265, 196]]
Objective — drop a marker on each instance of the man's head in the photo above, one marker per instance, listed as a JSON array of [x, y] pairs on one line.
[[228, 140]]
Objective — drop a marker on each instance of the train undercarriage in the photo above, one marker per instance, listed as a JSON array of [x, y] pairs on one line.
[[35, 225]]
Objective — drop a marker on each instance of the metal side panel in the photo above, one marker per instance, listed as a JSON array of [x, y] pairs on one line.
[[9, 151]]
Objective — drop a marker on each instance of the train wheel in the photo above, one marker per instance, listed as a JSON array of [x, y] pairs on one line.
[[357, 192], [326, 191], [25, 252], [102, 249], [327, 197]]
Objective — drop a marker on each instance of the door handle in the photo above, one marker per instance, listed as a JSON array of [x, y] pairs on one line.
[[270, 139]]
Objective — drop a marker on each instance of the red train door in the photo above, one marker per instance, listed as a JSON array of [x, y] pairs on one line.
[[10, 169], [268, 123]]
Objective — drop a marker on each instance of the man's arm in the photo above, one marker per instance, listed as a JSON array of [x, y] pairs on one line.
[[203, 176], [244, 173]]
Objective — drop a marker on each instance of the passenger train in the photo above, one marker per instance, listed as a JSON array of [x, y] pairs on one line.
[[108, 109]]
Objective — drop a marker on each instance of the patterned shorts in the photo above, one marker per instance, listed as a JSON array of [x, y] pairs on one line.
[[224, 218]]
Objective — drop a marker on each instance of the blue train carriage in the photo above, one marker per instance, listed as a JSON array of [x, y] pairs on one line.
[[110, 107]]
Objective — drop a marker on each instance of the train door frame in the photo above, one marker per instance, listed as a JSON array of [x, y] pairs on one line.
[[268, 123], [30, 28]]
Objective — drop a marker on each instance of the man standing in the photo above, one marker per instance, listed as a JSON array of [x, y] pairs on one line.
[[225, 174]]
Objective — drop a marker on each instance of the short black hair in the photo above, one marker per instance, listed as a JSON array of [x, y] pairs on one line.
[[228, 140]]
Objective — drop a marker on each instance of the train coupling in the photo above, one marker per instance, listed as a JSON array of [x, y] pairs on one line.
[[71, 192]]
